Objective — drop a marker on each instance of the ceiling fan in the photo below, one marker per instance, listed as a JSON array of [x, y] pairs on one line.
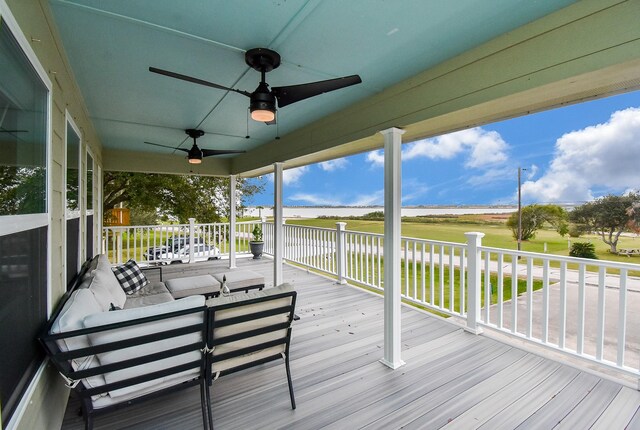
[[262, 103], [195, 154]]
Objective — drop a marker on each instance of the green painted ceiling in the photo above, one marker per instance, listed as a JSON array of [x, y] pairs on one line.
[[111, 44]]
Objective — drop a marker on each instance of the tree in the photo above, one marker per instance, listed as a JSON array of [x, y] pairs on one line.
[[204, 198], [535, 216], [609, 216]]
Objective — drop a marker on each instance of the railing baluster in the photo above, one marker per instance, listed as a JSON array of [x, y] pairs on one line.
[[463, 294], [514, 293], [622, 318], [562, 335], [415, 271], [406, 268], [529, 297], [422, 274], [487, 288], [441, 266], [581, 310], [432, 276], [500, 291], [545, 301], [452, 272], [601, 299]]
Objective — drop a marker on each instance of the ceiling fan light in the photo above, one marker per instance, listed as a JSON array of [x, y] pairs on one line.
[[195, 155], [263, 115]]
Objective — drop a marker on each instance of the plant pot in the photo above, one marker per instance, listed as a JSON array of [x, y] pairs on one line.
[[256, 249]]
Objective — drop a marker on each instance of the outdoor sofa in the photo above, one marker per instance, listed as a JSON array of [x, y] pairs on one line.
[[115, 349]]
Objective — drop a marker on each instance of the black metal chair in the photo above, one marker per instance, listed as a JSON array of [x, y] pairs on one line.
[[248, 332]]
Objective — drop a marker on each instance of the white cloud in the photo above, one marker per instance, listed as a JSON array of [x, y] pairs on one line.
[[291, 176], [376, 158], [374, 198], [331, 165], [483, 148], [603, 156], [315, 199]]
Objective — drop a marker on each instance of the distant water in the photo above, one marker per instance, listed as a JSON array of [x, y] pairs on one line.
[[316, 211]]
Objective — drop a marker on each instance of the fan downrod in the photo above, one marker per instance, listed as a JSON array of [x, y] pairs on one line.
[[193, 133], [262, 59]]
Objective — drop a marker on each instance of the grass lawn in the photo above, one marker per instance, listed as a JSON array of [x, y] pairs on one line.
[[496, 235]]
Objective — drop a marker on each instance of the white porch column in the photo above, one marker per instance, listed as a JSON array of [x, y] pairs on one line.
[[392, 253], [232, 222], [474, 240], [278, 236]]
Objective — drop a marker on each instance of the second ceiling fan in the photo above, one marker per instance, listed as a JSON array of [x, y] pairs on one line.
[[262, 103], [195, 154]]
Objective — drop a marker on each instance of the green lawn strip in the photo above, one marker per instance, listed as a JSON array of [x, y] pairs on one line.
[[443, 300], [496, 236]]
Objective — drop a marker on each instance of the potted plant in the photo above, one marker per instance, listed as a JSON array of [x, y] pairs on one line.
[[257, 244]]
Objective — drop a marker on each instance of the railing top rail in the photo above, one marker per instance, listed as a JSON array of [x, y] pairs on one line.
[[436, 242], [168, 226], [562, 258], [308, 227]]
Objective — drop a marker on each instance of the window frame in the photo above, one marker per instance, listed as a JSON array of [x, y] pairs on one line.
[[70, 122], [18, 223]]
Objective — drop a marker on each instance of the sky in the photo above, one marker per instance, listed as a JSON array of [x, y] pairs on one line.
[[571, 154]]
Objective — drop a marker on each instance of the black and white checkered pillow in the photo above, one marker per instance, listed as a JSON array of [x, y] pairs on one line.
[[130, 277]]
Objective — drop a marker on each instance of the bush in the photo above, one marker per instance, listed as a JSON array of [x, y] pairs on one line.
[[575, 230], [583, 250]]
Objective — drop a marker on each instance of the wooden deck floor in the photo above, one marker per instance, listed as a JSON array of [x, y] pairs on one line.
[[452, 378]]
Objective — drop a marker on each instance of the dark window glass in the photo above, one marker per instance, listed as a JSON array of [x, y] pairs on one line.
[[89, 235], [23, 132], [23, 311], [73, 169], [89, 182]]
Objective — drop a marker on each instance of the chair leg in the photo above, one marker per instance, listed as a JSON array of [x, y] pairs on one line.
[[87, 414], [208, 398], [203, 405], [293, 400]]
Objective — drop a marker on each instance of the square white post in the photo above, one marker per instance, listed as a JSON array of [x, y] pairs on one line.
[[392, 253], [278, 236], [341, 251], [474, 241], [192, 241], [232, 222]]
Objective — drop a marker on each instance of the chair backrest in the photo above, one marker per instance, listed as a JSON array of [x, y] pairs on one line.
[[250, 329], [133, 352]]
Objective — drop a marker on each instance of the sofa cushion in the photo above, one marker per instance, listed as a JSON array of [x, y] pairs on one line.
[[249, 325], [130, 277], [79, 304], [148, 348], [106, 288], [193, 285], [154, 293]]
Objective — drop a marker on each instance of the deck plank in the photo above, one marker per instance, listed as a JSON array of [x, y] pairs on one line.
[[452, 378]]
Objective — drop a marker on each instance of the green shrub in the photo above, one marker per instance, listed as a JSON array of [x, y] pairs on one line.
[[575, 230], [583, 250]]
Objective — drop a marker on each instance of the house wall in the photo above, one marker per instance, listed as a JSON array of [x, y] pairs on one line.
[[46, 399]]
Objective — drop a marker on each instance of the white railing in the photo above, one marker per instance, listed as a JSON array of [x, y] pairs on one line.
[[576, 306], [155, 244]]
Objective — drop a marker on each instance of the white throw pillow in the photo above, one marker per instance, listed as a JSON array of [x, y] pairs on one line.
[[106, 288]]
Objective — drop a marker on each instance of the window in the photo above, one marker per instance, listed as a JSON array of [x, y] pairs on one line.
[[73, 201], [89, 212], [23, 132], [24, 100]]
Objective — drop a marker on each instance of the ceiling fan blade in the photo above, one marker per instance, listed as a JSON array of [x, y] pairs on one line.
[[210, 152], [196, 80], [165, 146], [294, 93]]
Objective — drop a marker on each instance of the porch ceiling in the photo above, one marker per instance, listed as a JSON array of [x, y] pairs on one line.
[[110, 46]]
